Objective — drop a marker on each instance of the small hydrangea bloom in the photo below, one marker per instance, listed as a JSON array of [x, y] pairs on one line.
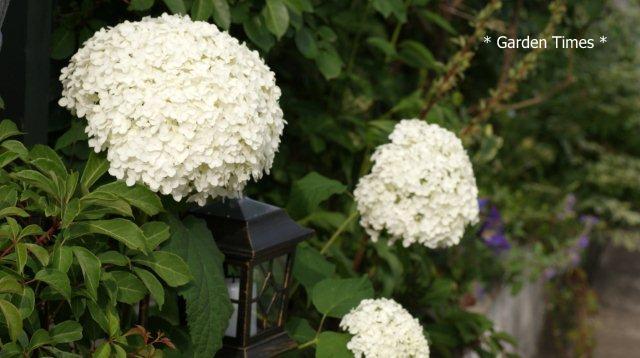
[[421, 188], [382, 328], [178, 104]]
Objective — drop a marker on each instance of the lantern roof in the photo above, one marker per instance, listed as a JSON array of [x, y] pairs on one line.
[[248, 229]]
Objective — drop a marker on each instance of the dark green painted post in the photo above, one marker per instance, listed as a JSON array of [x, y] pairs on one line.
[[24, 66]]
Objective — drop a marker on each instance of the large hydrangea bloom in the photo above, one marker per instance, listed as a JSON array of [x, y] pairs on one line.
[[179, 106], [383, 328], [421, 188]]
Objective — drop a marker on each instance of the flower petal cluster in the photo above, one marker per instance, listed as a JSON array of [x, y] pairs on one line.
[[383, 328], [421, 188], [178, 104]]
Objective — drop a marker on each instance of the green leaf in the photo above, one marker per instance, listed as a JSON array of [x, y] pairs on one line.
[[333, 345], [221, 13], [75, 134], [387, 7], [71, 210], [56, 280], [39, 339], [152, 284], [156, 233], [201, 10], [37, 180], [13, 211], [311, 267], [27, 302], [276, 17], [382, 44], [99, 316], [300, 330], [169, 266], [258, 33], [63, 43], [66, 332], [130, 289], [140, 5], [8, 129], [47, 160], [21, 256], [31, 230], [16, 147], [306, 43], [12, 319], [9, 284], [335, 297], [176, 6], [329, 63], [113, 258], [39, 252], [95, 168], [208, 305], [417, 55], [122, 230], [310, 191], [71, 185], [62, 258], [112, 203], [7, 158], [103, 351], [137, 196], [299, 6], [90, 266], [438, 20]]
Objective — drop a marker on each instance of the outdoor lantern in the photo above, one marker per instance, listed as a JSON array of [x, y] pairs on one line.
[[259, 243]]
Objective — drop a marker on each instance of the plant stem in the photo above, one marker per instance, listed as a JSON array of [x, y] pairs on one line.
[[339, 231], [308, 344]]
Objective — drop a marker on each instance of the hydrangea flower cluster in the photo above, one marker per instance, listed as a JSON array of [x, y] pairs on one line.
[[383, 328], [421, 188], [179, 106]]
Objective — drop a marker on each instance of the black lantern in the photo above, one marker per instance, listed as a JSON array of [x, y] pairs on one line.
[[259, 242]]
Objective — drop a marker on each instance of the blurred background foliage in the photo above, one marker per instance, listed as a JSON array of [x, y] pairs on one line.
[[551, 133]]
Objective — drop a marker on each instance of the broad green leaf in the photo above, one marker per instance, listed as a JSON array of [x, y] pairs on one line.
[[63, 43], [110, 201], [9, 284], [13, 211], [122, 230], [31, 230], [299, 6], [47, 160], [201, 10], [39, 339], [39, 252], [12, 319], [27, 302], [7, 158], [130, 289], [37, 180], [300, 330], [90, 266], [306, 43], [8, 129], [308, 192], [62, 258], [71, 210], [152, 284], [113, 258], [257, 32], [382, 44], [71, 185], [21, 256], [14, 227], [335, 297], [66, 332], [16, 147], [137, 196], [140, 5], [208, 305], [329, 63], [103, 351], [176, 6], [119, 351], [169, 266], [99, 316], [416, 54], [276, 17], [333, 345], [156, 233], [387, 7], [57, 280], [221, 14], [75, 134], [8, 196], [95, 168], [438, 20], [311, 267]]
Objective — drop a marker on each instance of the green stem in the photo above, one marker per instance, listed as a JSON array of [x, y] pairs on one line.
[[339, 231], [308, 344]]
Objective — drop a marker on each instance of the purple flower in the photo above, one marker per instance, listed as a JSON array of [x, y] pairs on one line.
[[482, 203], [498, 242], [583, 241], [549, 273], [492, 229]]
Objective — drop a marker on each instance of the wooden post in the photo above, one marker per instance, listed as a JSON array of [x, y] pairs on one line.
[[24, 66]]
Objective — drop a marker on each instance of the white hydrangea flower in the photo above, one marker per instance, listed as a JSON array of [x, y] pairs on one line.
[[383, 328], [179, 106], [421, 188]]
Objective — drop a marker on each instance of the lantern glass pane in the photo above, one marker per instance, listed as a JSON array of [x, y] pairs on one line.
[[232, 280], [270, 292]]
